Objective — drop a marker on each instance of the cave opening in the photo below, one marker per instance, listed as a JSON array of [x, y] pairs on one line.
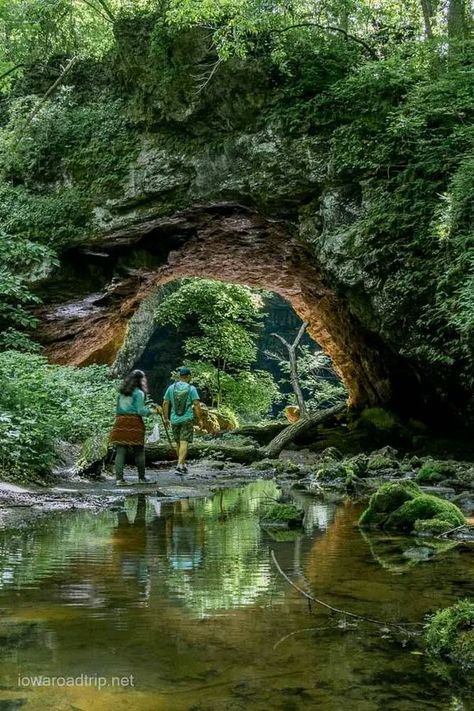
[[91, 300], [160, 348]]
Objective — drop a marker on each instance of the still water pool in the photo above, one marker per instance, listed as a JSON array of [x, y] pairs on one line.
[[178, 605]]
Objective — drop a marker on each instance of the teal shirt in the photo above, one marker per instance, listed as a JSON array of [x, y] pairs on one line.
[[133, 404], [192, 396]]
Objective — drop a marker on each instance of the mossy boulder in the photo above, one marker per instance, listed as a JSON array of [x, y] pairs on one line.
[[450, 634], [432, 472], [387, 499], [379, 462], [331, 471], [282, 515], [331, 454], [432, 526], [279, 466], [425, 508], [359, 465]]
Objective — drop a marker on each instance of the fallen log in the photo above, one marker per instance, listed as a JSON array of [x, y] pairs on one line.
[[290, 433], [162, 452], [263, 434]]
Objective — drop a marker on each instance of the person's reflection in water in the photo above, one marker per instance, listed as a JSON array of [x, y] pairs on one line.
[[129, 545], [186, 543]]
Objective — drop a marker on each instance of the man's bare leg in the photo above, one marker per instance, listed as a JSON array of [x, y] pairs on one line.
[[182, 453]]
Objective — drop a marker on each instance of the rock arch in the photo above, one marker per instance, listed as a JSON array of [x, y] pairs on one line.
[[223, 241]]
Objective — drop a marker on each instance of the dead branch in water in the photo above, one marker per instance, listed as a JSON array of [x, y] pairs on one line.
[[311, 598]]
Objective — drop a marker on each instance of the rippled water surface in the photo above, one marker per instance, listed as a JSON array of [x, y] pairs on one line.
[[178, 605]]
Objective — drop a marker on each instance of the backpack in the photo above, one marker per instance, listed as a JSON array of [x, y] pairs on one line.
[[180, 400]]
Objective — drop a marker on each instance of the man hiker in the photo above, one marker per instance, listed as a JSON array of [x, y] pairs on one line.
[[180, 405]]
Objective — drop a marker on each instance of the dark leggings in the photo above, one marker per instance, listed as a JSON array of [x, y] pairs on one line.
[[120, 456]]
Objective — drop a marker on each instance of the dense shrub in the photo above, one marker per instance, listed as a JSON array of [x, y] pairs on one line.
[[41, 404]]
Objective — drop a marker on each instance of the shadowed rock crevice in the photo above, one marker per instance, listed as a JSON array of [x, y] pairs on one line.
[[227, 242]]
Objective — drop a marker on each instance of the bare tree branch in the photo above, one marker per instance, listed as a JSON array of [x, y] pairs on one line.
[[10, 71], [45, 97], [332, 28]]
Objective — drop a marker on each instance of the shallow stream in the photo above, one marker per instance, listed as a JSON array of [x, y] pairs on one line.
[[177, 605]]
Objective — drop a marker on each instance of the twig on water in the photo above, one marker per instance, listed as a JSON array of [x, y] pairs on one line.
[[306, 629], [451, 530], [311, 598]]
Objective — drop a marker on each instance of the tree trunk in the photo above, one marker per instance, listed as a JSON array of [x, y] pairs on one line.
[[163, 452], [295, 383], [457, 19], [292, 349], [428, 13], [293, 431]]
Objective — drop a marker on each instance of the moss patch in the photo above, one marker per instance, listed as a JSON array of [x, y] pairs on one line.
[[402, 506], [279, 514], [450, 634], [387, 499], [432, 472], [424, 508]]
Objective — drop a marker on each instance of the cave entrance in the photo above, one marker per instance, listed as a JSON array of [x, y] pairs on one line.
[[112, 277], [248, 371]]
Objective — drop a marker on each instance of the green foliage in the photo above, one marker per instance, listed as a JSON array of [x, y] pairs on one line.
[[41, 404], [89, 145], [248, 393], [317, 379], [20, 261], [450, 634], [222, 320]]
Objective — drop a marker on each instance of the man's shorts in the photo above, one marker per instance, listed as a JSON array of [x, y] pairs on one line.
[[183, 432]]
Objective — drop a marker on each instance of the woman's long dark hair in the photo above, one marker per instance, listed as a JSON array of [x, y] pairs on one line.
[[135, 379]]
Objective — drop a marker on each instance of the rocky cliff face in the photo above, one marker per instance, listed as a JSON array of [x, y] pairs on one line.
[[214, 185]]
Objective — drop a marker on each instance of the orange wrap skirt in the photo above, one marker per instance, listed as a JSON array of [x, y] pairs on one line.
[[128, 430]]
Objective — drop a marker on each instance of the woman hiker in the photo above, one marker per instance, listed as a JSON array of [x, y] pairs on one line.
[[129, 428]]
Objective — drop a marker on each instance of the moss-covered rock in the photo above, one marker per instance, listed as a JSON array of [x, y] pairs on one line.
[[282, 514], [359, 465], [432, 526], [425, 508], [331, 454], [432, 472], [387, 499], [379, 462], [279, 466], [450, 634]]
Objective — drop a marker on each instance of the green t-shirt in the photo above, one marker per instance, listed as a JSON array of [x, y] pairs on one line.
[[133, 404], [174, 394]]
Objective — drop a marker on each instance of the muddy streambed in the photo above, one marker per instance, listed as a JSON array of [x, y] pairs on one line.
[[177, 605]]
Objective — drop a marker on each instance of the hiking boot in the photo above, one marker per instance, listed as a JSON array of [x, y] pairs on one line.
[[180, 470], [144, 480]]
